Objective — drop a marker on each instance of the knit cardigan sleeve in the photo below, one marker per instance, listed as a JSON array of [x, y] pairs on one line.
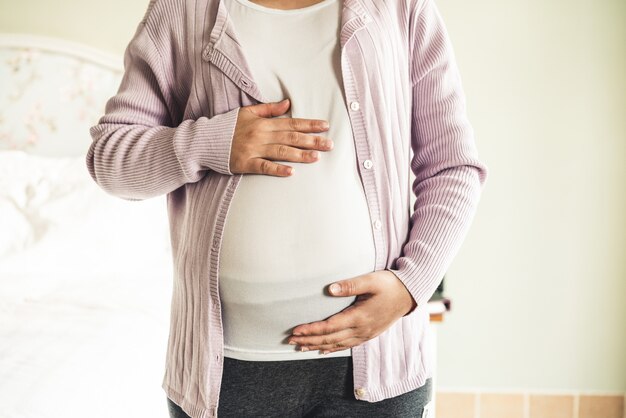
[[136, 151], [448, 175]]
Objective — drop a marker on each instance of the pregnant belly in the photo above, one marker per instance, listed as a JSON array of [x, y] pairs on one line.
[[259, 317], [284, 241]]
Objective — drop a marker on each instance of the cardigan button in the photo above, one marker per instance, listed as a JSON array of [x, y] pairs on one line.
[[355, 106], [360, 391], [368, 164], [377, 224], [206, 53]]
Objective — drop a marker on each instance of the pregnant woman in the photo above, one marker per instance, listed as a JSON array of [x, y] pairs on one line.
[[298, 180]]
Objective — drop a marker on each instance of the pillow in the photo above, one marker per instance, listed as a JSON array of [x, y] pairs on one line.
[[27, 183], [54, 216]]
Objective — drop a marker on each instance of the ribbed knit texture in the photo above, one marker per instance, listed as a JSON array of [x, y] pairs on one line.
[[169, 130]]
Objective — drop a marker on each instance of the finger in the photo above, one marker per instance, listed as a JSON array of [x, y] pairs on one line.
[[364, 283], [326, 340], [299, 124], [301, 140], [281, 152], [347, 318], [344, 345], [269, 110], [270, 168]]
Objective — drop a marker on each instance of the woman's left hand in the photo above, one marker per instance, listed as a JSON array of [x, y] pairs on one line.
[[381, 300]]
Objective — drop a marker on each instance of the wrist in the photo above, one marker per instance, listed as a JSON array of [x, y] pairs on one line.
[[413, 306]]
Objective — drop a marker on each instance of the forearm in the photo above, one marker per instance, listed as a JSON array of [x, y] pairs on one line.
[[138, 162], [444, 210]]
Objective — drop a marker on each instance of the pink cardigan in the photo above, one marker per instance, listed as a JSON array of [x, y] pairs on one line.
[[169, 128]]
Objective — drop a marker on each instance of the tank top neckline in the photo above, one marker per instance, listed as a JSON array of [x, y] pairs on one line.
[[272, 10]]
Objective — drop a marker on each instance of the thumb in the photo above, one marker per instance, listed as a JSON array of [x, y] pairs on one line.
[[269, 110], [350, 287]]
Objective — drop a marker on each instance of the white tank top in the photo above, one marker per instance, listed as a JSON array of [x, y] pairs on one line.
[[287, 238]]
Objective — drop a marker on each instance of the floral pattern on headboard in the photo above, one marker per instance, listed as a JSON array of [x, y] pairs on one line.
[[49, 99]]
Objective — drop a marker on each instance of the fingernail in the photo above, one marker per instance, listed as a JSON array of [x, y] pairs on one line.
[[304, 348], [292, 342], [335, 288]]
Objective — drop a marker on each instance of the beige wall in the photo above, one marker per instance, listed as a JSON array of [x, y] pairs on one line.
[[539, 286], [107, 25]]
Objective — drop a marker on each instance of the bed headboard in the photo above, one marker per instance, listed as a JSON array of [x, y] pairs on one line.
[[51, 92]]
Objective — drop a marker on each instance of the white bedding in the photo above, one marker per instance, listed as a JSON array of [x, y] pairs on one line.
[[85, 288]]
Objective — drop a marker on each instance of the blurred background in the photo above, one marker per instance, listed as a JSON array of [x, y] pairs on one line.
[[537, 325]]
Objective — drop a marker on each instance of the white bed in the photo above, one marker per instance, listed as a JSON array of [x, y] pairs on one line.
[[80, 336]]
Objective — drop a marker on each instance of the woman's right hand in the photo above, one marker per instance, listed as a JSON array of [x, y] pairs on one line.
[[260, 138]]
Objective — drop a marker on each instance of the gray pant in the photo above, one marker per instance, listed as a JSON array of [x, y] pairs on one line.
[[303, 389]]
